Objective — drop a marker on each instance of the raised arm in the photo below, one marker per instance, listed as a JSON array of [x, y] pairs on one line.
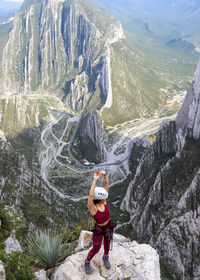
[[91, 206], [105, 181]]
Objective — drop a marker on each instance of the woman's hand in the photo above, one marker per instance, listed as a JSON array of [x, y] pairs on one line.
[[96, 175], [102, 173]]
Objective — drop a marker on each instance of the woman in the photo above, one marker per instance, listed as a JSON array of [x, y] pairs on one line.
[[103, 228]]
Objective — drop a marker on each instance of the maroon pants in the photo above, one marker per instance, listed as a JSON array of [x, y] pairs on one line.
[[100, 234]]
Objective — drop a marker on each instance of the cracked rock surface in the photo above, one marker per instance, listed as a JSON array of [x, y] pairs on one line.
[[127, 259]]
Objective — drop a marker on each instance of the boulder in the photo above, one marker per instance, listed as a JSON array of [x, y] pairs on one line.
[[128, 259], [41, 275], [85, 241], [12, 244]]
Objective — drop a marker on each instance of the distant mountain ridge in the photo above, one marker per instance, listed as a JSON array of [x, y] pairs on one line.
[[192, 6], [183, 14]]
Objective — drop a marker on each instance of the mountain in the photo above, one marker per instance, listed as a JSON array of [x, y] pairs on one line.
[[74, 51], [66, 67], [163, 198], [180, 18], [55, 61], [184, 9], [79, 94], [56, 56]]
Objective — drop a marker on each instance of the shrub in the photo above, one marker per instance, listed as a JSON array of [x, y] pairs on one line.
[[17, 266], [71, 234], [6, 224], [48, 248]]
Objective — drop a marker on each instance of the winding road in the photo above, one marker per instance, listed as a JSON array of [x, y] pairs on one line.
[[54, 145]]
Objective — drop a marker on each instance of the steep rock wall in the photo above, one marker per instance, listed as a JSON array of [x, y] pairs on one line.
[[188, 119], [90, 138], [58, 47], [163, 197]]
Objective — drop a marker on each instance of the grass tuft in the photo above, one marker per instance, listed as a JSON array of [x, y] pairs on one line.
[[48, 247]]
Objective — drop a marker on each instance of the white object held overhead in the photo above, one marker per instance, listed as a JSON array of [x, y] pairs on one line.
[[100, 193]]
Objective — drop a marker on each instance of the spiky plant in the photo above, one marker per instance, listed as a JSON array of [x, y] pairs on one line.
[[48, 248]]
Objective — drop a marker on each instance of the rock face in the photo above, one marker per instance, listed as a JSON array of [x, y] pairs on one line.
[[128, 259], [12, 244], [60, 47], [163, 197], [19, 185], [2, 272], [41, 275], [72, 50], [90, 138], [188, 119]]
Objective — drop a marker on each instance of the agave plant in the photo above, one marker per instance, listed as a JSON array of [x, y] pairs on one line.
[[47, 247]]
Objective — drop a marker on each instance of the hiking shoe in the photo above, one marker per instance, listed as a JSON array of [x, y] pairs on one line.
[[106, 261], [88, 269]]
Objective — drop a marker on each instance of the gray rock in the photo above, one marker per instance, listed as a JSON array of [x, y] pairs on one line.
[[12, 244], [128, 259], [91, 137], [41, 275], [85, 241], [188, 119], [163, 197], [2, 272], [72, 61]]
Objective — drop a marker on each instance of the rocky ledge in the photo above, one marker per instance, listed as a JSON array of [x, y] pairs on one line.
[[128, 260]]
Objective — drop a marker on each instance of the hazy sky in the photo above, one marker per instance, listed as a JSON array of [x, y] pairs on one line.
[[14, 1]]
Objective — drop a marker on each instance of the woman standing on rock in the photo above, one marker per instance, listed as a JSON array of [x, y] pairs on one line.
[[104, 226]]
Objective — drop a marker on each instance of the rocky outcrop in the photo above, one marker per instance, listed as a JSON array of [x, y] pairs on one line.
[[41, 275], [60, 47], [188, 119], [163, 197], [2, 272], [155, 157], [12, 244], [90, 138], [21, 115], [22, 189], [128, 260]]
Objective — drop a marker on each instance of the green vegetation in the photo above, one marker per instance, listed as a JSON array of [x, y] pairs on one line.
[[6, 224], [17, 266], [42, 249], [165, 273], [146, 73], [72, 233], [4, 34], [47, 246]]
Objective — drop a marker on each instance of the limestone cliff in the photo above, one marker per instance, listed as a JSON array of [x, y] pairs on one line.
[[90, 138], [188, 119], [129, 260], [62, 48], [71, 50], [163, 197], [19, 184]]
